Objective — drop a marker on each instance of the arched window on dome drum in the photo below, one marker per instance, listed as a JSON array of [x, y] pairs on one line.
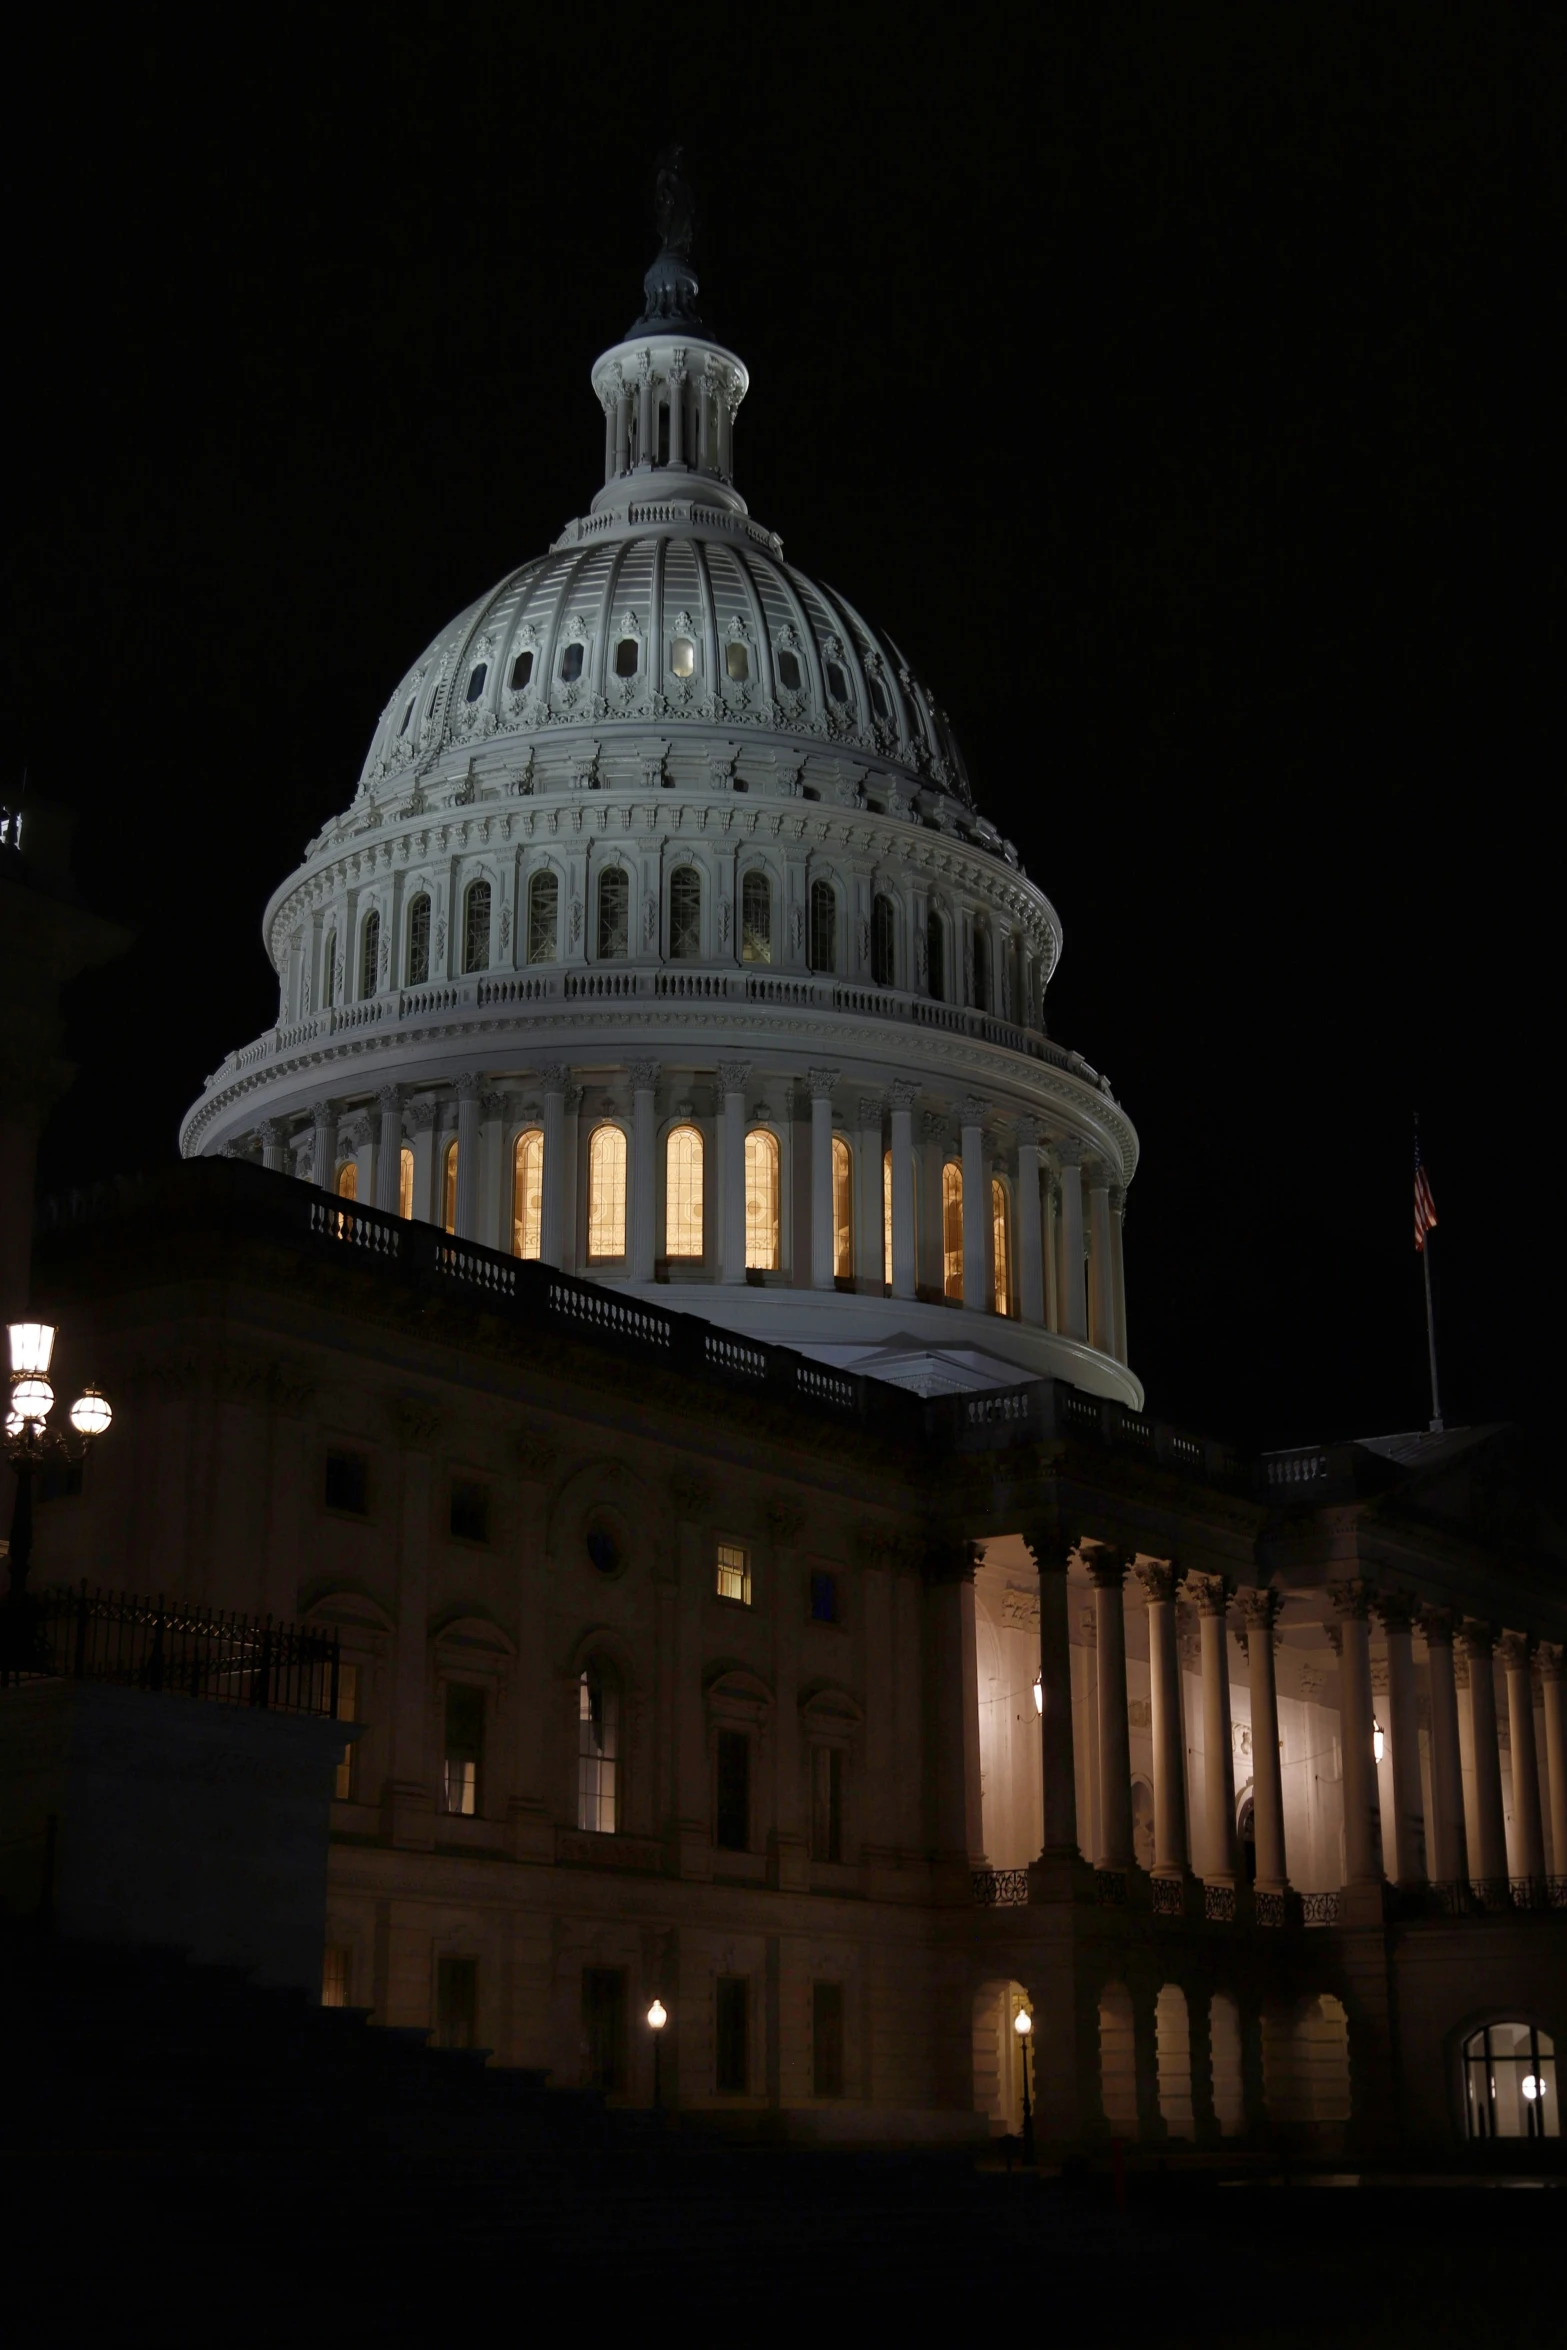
[[405, 1183], [606, 1194], [476, 682], [685, 915], [419, 942], [476, 927], [789, 671], [761, 1201], [614, 932], [756, 919], [527, 1194], [683, 1156], [952, 1231], [886, 1218], [824, 926], [842, 1209], [329, 972], [522, 671], [884, 936], [982, 987], [1001, 1269], [348, 1180], [626, 657], [598, 1750], [543, 918], [571, 664], [369, 954], [449, 1188], [936, 956]]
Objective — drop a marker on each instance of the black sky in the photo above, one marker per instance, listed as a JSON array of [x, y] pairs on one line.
[[1181, 388]]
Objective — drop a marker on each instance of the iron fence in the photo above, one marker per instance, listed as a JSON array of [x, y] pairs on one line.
[[1000, 1888], [77, 1634]]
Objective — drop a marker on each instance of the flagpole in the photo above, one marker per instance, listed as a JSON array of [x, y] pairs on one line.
[[1425, 1223], [1436, 1401]]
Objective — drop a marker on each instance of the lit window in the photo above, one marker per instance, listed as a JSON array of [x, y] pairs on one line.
[[606, 1193], [886, 1217], [732, 1805], [521, 672], [842, 1208], [685, 915], [826, 1803], [476, 927], [738, 663], [824, 927], [837, 683], [789, 672], [464, 1747], [936, 956], [449, 1188], [756, 919], [626, 657], [476, 682], [571, 664], [369, 954], [761, 1200], [329, 971], [347, 1711], [1510, 2083], [527, 1195], [682, 657], [419, 942], [614, 914], [543, 917], [598, 1741], [468, 1513], [1001, 1284], [884, 932], [405, 1182], [348, 1180], [952, 1229], [336, 1975], [734, 1572], [683, 1193]]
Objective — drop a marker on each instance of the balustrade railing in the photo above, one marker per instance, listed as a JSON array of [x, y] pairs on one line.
[[76, 1634], [1319, 1909], [1000, 1888]]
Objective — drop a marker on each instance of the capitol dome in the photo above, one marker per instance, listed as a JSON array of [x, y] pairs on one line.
[[663, 940]]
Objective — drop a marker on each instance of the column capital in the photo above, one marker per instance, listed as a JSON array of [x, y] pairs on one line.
[[1212, 1593], [952, 1560], [552, 1076], [572, 1098], [390, 1098], [1050, 1550], [1159, 1578], [493, 1104], [469, 1086], [819, 1084], [1550, 1653], [272, 1132], [871, 1106], [1259, 1610], [1106, 1565], [1353, 1599], [976, 1112], [904, 1093], [933, 1127], [1397, 1611], [1028, 1133], [732, 1076], [1477, 1639], [1515, 1649], [1440, 1625], [419, 1117], [1097, 1175], [644, 1075], [1070, 1152]]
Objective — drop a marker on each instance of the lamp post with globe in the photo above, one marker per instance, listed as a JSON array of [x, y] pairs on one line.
[[657, 2018], [31, 1444], [1023, 2025]]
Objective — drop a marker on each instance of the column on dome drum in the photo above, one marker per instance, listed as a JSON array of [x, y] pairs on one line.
[[1107, 1568], [1074, 1298]]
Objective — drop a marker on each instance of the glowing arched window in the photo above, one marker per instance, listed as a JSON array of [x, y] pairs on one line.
[[886, 1218], [527, 1194], [761, 1200], [1510, 2080], [824, 926], [598, 1750], [476, 927], [405, 1182], [842, 1208], [936, 956], [884, 935], [614, 914], [606, 1193], [1001, 1275], [756, 919], [419, 942], [952, 1230], [449, 1187], [329, 971], [685, 915], [543, 918], [982, 987], [683, 1193], [369, 954], [348, 1180]]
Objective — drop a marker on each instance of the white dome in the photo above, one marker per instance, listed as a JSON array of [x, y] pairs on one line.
[[662, 834]]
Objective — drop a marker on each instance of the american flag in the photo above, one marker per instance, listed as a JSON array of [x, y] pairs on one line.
[[1425, 1205]]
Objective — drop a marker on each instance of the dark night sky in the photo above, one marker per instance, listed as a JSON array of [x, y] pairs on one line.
[[1183, 391]]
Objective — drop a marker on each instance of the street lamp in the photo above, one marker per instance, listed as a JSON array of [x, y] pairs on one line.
[[657, 2018], [1023, 2025], [29, 1444], [1378, 1742], [1039, 1693]]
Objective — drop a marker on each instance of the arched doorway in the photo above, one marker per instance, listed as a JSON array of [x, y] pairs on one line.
[[999, 2056]]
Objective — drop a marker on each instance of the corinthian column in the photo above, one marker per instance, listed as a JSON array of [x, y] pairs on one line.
[[1487, 1830], [1362, 1814], [1107, 1569], [1221, 1863], [1101, 1303], [903, 1235], [274, 1135], [1528, 1832], [644, 1169], [1259, 1613], [820, 1083], [1051, 1556], [976, 1209], [1409, 1828], [469, 1113], [323, 1149], [1449, 1845], [731, 1081], [1555, 1751], [1030, 1231], [552, 1237], [1159, 1579], [389, 1149], [1074, 1298]]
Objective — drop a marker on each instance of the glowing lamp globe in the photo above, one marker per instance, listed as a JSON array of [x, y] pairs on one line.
[[658, 2015], [1022, 2023], [90, 1414], [32, 1399]]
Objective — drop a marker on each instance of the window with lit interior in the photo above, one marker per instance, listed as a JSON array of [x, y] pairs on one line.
[[952, 1230], [527, 1194], [683, 1193], [543, 917], [682, 657], [761, 1200], [598, 1750], [1510, 2083], [737, 661], [1001, 1271], [449, 1187], [756, 919], [405, 1182], [842, 1209], [606, 1194], [685, 915], [348, 1180], [733, 1574], [886, 1217]]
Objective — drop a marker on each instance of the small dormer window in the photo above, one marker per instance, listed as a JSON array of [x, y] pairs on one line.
[[789, 672], [476, 681], [571, 664], [738, 663], [879, 701], [407, 716], [626, 657], [682, 657], [521, 672], [837, 683]]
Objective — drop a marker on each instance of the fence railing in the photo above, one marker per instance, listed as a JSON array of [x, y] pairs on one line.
[[72, 1633], [1000, 1888]]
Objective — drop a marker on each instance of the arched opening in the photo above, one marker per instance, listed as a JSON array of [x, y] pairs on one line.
[[369, 954], [1510, 2083], [527, 1194], [936, 956], [419, 942], [449, 1187], [521, 671], [571, 664], [476, 927], [824, 926], [842, 1209], [1173, 2050], [329, 972], [626, 655], [685, 915], [1305, 2066], [1118, 2060], [598, 1748], [683, 1155], [543, 918], [347, 1184], [737, 663], [884, 939], [761, 1200], [614, 923], [1224, 2055], [999, 2053], [1001, 1248], [952, 1231], [476, 682], [405, 1182], [756, 919], [606, 1194]]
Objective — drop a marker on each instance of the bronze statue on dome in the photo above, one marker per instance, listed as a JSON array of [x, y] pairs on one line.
[[674, 204]]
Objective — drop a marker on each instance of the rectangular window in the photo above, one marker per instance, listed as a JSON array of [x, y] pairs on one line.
[[337, 1978], [470, 1510], [457, 2002], [732, 2034], [826, 1803], [464, 1747], [824, 1598], [604, 2027], [347, 1711], [733, 1808], [347, 1482], [734, 1572], [827, 2039]]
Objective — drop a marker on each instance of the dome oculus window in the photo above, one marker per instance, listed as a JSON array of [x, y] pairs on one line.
[[756, 919], [682, 657], [626, 653], [685, 915], [738, 662], [543, 917], [571, 664], [476, 682], [521, 672], [789, 672], [419, 942], [614, 932]]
